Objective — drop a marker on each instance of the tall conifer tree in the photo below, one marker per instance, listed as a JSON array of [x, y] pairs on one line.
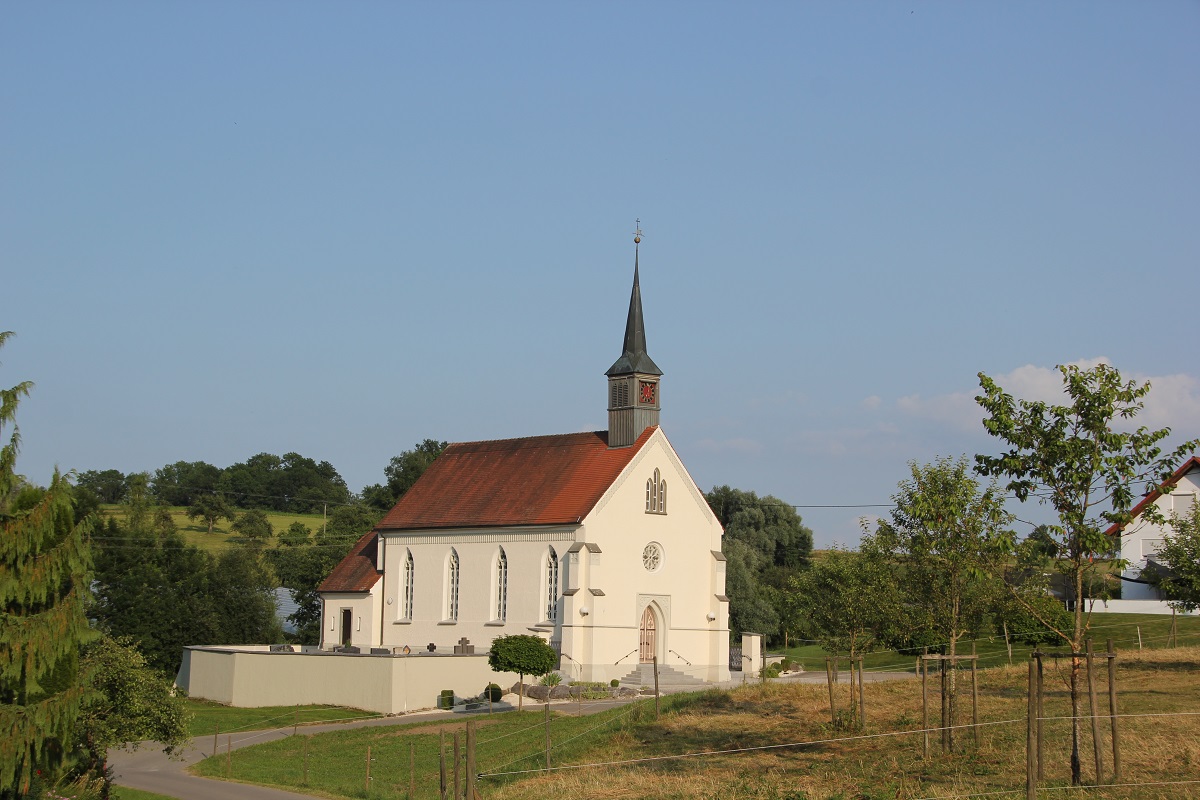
[[44, 563]]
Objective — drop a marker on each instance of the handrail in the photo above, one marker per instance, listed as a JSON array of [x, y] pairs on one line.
[[681, 658], [627, 655]]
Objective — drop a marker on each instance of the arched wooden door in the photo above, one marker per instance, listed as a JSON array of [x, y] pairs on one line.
[[648, 633]]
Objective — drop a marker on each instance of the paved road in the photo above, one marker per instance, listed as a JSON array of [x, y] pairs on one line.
[[150, 770]]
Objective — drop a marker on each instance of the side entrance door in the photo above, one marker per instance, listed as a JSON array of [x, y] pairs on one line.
[[347, 626]]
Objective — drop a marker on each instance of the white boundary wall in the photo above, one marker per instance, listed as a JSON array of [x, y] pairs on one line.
[[252, 676], [1136, 607]]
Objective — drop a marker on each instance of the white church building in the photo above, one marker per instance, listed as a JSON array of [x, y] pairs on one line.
[[600, 543]]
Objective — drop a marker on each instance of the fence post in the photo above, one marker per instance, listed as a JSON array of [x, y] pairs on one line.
[[1112, 710], [1008, 643], [925, 706], [862, 703], [412, 771], [974, 695], [1096, 744], [1041, 761], [228, 755], [306, 738], [946, 743], [547, 731], [442, 764], [829, 683], [367, 781], [1139, 630], [470, 758], [1030, 735], [457, 761], [655, 689], [295, 719], [216, 733]]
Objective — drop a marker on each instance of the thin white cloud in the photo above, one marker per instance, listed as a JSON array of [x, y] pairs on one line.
[[1173, 401], [871, 403]]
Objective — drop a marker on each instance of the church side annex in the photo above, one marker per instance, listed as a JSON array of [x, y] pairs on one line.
[[600, 542]]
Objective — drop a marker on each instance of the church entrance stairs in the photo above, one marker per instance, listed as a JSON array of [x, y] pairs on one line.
[[643, 675]]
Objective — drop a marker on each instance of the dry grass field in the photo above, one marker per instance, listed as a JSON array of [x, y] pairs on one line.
[[800, 756]]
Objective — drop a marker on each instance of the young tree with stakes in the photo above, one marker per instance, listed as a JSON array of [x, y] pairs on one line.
[[1079, 459]]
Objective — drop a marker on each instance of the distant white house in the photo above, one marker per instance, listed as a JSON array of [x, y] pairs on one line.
[[1141, 540]]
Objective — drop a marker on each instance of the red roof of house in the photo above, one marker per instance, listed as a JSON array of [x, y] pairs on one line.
[[1184, 468], [356, 572], [538, 480]]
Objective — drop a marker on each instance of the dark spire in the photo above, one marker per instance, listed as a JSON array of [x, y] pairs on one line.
[[634, 357]]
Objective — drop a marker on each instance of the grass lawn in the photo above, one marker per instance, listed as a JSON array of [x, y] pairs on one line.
[[1123, 629], [207, 717], [125, 793], [799, 755], [195, 532]]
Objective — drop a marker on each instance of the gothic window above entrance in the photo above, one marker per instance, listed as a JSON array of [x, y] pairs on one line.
[[656, 494]]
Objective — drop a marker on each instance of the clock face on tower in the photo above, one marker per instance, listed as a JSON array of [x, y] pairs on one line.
[[646, 391]]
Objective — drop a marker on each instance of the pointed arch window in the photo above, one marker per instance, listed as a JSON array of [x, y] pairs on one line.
[[452, 580], [410, 571], [656, 494], [500, 612], [551, 585]]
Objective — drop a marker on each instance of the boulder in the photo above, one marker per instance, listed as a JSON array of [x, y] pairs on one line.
[[560, 692], [537, 692]]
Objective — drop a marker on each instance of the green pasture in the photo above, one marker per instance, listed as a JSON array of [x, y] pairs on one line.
[[195, 532], [125, 793], [1123, 629], [510, 741], [209, 717]]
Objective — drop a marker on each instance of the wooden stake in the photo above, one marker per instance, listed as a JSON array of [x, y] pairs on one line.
[[1030, 736], [1008, 644], [1112, 710], [925, 705], [974, 695], [470, 758], [1095, 719], [862, 703], [228, 755], [1041, 761], [306, 738], [547, 731], [367, 781], [457, 760], [946, 743], [295, 720], [216, 733], [829, 683], [412, 771], [442, 764], [655, 660], [1139, 630]]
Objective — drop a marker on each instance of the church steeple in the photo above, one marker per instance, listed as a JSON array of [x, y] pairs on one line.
[[633, 379]]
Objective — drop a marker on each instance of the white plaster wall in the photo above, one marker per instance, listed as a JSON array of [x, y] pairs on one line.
[[683, 589], [1138, 539], [364, 607], [387, 684], [527, 551]]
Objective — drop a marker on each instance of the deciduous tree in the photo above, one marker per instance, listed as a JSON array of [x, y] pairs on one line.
[[523, 654], [943, 534], [1081, 459], [210, 508], [402, 472]]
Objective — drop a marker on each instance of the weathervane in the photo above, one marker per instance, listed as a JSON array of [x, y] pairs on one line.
[[637, 234]]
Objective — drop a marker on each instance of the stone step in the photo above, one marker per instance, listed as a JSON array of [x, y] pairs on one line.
[[643, 675]]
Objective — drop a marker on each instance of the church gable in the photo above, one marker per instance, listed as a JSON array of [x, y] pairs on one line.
[[659, 472]]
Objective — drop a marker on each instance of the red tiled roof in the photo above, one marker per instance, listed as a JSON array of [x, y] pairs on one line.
[[356, 572], [1184, 468], [538, 480]]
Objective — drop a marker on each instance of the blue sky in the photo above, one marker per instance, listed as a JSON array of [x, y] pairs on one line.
[[340, 229]]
